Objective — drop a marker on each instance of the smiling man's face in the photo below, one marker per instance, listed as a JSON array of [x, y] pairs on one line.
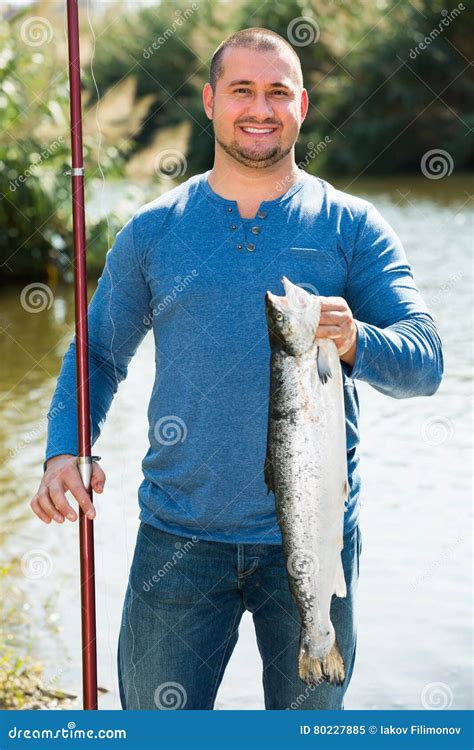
[[258, 106]]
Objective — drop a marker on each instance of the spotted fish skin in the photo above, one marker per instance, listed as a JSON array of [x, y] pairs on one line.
[[306, 468]]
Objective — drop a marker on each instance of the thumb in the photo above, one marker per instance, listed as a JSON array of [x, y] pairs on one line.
[[98, 478]]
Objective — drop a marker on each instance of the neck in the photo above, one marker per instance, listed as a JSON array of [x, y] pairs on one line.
[[234, 181]]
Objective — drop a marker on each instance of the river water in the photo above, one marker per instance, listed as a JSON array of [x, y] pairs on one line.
[[415, 580]]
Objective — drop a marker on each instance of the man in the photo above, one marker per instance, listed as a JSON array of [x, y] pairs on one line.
[[194, 266]]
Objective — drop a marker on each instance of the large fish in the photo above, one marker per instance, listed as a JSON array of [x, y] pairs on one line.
[[306, 468]]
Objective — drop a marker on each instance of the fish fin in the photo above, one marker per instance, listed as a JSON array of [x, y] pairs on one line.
[[322, 364], [333, 666], [340, 582], [313, 670], [309, 667], [268, 474]]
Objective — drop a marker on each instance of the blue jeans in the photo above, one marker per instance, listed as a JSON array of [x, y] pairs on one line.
[[181, 614]]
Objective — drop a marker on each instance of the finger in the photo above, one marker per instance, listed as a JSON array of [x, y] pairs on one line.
[[36, 508], [328, 332], [334, 317], [333, 303], [98, 478], [82, 496], [56, 493], [48, 507]]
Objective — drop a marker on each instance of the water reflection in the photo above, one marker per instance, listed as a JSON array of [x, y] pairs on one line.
[[415, 466]]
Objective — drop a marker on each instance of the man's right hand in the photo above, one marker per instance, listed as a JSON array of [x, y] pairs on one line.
[[62, 474]]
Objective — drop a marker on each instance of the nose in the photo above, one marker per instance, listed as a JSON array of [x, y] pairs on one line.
[[261, 107]]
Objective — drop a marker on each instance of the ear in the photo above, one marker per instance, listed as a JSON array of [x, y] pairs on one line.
[[207, 99], [304, 104]]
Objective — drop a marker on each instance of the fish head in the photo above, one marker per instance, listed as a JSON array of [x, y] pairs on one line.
[[293, 318]]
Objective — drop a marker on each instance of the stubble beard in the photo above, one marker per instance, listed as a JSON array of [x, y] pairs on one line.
[[249, 157]]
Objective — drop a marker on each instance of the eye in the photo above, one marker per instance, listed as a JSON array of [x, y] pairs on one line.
[[281, 92], [278, 316], [237, 91]]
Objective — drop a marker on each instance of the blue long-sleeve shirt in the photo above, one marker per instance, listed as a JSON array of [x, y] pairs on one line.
[[188, 267]]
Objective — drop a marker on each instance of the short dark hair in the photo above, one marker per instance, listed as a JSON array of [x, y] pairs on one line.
[[254, 37]]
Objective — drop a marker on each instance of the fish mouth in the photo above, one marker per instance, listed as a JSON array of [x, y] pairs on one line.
[[274, 298], [281, 299], [288, 286], [284, 299], [273, 302], [296, 296]]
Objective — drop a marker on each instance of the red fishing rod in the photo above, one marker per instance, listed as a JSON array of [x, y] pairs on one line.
[[86, 529]]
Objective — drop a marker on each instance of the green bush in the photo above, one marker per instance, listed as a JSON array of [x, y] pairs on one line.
[[35, 191]]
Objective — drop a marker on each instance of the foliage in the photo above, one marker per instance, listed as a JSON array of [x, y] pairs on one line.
[[35, 191], [399, 100], [21, 685], [381, 108], [387, 82]]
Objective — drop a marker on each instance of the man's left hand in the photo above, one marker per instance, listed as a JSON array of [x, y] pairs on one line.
[[337, 323]]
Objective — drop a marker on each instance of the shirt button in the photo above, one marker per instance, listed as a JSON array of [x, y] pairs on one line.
[[250, 247], [239, 247], [262, 214], [234, 226], [229, 209], [255, 230]]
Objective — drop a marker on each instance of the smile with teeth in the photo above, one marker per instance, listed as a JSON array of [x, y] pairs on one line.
[[257, 131]]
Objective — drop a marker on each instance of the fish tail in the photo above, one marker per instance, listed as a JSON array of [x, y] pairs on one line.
[[313, 670]]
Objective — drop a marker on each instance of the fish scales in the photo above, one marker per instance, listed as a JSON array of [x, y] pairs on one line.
[[306, 468]]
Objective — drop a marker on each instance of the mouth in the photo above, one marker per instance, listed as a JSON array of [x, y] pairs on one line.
[[258, 132], [286, 284], [275, 301]]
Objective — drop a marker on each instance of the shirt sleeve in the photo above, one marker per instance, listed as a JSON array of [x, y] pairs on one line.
[[118, 319], [399, 351]]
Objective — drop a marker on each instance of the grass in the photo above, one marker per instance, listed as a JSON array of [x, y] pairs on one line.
[[21, 674]]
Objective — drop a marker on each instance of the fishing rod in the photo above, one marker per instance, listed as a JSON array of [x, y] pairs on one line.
[[86, 529]]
